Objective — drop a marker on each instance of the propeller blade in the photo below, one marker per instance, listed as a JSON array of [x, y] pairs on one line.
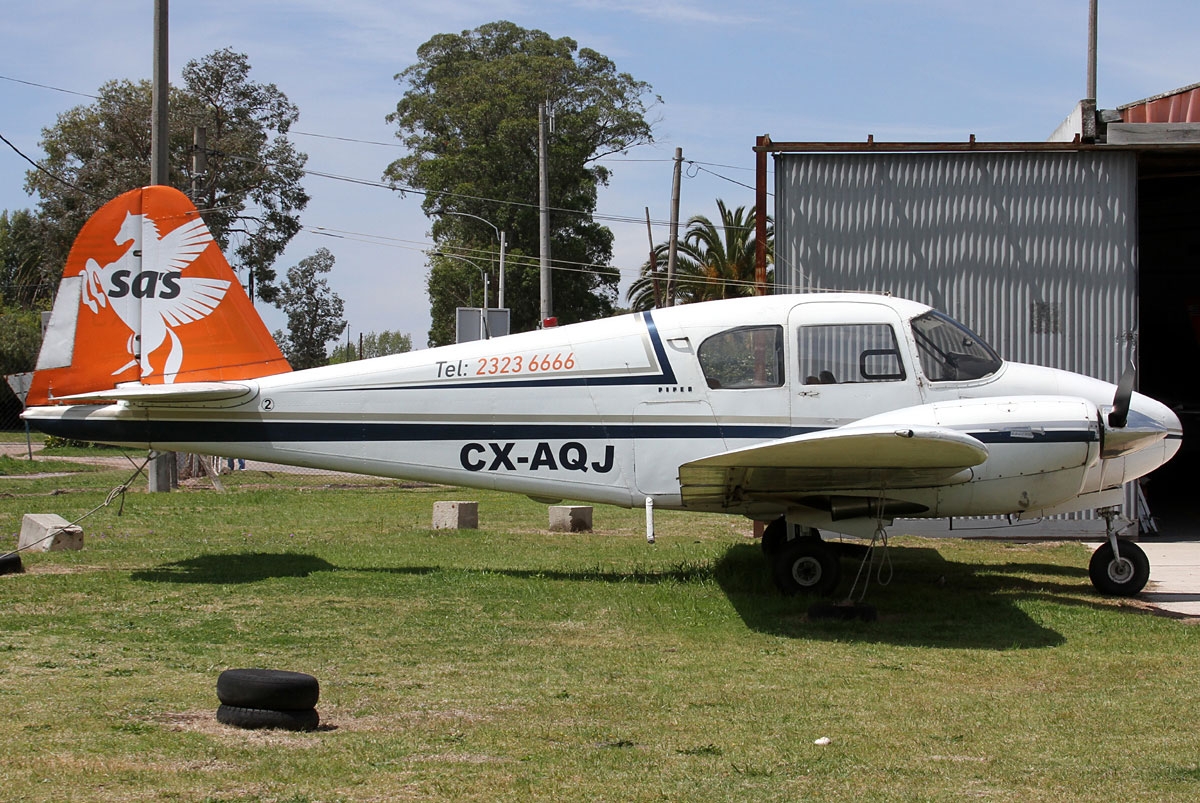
[[1120, 411]]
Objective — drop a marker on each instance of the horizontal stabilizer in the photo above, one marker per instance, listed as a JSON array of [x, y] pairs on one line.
[[184, 393]]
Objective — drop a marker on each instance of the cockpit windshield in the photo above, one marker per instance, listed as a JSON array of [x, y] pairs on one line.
[[950, 352]]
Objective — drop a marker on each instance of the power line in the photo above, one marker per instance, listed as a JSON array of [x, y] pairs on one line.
[[697, 166], [62, 181], [349, 139], [47, 86]]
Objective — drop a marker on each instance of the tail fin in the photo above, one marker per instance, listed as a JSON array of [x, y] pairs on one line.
[[146, 296]]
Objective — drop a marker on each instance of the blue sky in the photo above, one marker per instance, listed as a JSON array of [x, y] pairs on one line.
[[907, 70]]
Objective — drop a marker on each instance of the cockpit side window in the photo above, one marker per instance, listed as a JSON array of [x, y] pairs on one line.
[[746, 357], [838, 354], [950, 352]]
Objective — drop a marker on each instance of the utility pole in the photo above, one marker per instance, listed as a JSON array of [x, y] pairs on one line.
[[500, 298], [653, 262], [158, 107], [199, 161], [1091, 55], [547, 294], [162, 467], [760, 220], [673, 246]]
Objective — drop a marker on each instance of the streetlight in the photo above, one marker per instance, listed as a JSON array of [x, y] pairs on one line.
[[482, 273], [500, 237]]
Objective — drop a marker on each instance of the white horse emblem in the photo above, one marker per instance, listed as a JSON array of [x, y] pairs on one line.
[[148, 292]]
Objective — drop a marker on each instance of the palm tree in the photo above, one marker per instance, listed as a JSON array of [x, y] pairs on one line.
[[713, 261]]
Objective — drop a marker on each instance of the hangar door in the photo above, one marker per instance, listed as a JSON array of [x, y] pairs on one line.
[[1035, 250]]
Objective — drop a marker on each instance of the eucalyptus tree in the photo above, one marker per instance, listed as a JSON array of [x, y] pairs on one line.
[[469, 117]]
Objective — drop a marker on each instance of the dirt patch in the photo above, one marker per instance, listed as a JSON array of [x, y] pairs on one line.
[[206, 722]]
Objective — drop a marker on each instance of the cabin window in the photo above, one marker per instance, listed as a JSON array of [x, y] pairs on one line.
[[950, 351], [746, 357], [843, 353]]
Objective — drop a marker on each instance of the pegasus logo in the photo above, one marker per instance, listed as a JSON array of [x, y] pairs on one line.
[[149, 293]]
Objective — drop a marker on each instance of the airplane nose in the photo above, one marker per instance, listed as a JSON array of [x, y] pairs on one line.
[[1170, 420], [1149, 422]]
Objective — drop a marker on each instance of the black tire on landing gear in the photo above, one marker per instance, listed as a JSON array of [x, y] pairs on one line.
[[806, 566], [776, 536], [1119, 576]]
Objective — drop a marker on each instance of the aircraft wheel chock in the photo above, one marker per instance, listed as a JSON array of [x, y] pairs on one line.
[[806, 566], [1121, 576]]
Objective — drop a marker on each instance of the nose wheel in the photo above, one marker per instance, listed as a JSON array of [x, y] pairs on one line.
[[1118, 568], [1120, 573]]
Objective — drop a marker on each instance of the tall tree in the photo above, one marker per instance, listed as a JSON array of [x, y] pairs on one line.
[[314, 311], [716, 260], [25, 279], [250, 193], [25, 288], [469, 117]]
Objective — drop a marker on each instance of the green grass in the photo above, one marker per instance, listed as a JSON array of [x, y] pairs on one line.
[[23, 466], [510, 663]]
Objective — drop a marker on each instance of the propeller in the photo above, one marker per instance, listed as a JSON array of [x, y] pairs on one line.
[[1119, 416]]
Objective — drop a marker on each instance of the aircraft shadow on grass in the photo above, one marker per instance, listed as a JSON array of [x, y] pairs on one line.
[[927, 601], [930, 602], [235, 568]]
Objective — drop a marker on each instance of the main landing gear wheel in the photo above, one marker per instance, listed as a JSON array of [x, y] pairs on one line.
[[1121, 575], [806, 566], [775, 536]]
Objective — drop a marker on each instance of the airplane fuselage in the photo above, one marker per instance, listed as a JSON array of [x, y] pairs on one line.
[[609, 411]]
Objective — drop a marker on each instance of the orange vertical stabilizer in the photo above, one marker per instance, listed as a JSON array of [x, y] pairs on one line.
[[146, 296]]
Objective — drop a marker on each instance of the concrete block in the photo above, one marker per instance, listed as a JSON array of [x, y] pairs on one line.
[[42, 532], [570, 518], [455, 515]]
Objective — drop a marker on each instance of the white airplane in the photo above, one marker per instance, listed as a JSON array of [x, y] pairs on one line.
[[812, 412]]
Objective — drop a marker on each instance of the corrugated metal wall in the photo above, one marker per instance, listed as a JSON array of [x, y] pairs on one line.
[[1035, 251]]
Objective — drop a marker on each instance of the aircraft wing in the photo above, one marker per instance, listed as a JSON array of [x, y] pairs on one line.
[[182, 393], [866, 458]]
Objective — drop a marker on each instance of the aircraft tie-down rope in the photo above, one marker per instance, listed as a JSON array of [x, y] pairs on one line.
[[885, 559], [118, 491]]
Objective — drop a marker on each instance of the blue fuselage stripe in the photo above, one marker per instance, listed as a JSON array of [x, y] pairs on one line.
[[140, 431]]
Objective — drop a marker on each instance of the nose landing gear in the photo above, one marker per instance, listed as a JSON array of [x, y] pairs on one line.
[[1118, 569]]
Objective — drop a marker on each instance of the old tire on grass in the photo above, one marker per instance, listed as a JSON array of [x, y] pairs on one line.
[[271, 689], [255, 718], [11, 563], [806, 566], [1119, 576]]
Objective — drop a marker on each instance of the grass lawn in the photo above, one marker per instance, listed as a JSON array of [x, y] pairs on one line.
[[511, 663]]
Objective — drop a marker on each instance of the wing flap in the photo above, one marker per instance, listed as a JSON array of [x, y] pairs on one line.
[[845, 459]]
